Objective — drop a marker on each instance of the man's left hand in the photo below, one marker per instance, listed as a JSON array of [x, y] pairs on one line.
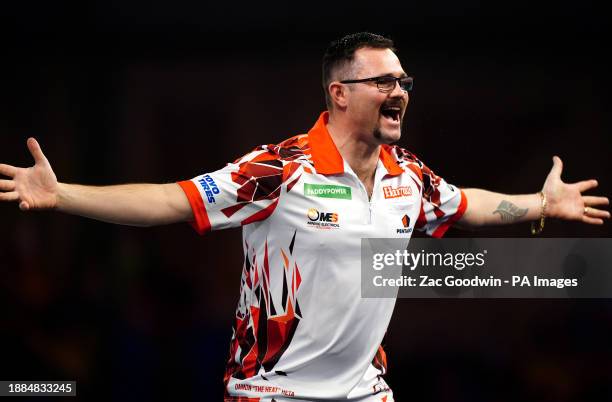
[[566, 201]]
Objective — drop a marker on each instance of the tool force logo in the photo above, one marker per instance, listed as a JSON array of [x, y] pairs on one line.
[[322, 220], [406, 224], [402, 191]]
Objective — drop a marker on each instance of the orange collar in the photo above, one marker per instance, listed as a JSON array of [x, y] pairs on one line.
[[327, 159]]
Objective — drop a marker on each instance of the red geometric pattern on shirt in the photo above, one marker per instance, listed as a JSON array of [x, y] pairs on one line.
[[380, 360], [261, 333], [429, 179], [262, 176]]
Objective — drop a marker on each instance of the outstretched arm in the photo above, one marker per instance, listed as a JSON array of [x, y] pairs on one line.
[[563, 201], [37, 188]]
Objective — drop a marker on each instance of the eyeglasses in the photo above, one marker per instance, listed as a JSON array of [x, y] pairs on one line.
[[386, 83]]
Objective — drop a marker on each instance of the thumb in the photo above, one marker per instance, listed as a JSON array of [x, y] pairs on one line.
[[557, 168], [36, 151]]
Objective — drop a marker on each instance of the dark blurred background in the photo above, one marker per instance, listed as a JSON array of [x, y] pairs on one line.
[[132, 91]]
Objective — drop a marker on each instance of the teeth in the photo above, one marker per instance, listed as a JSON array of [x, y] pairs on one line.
[[391, 112]]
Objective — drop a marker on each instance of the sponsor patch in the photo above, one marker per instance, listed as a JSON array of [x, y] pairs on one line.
[[322, 220], [327, 191], [406, 224], [210, 188], [397, 192]]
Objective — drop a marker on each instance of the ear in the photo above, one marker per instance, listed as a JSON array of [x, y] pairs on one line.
[[338, 94]]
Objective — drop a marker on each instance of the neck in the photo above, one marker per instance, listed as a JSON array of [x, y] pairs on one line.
[[361, 156]]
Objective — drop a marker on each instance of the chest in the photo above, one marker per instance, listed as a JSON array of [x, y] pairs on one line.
[[330, 208]]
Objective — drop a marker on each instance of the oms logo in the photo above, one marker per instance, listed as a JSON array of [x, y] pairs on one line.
[[315, 215], [322, 220]]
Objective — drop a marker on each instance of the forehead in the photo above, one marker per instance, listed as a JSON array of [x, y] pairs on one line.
[[369, 62]]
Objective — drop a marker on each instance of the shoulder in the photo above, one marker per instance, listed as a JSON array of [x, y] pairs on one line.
[[403, 157], [286, 150], [409, 161], [293, 149]]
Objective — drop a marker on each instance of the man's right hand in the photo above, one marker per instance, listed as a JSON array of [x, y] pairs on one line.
[[35, 187]]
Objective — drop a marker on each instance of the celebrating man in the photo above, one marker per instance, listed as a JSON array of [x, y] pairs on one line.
[[302, 331]]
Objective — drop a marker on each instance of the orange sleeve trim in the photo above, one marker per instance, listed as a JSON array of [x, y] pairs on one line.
[[439, 232], [200, 223]]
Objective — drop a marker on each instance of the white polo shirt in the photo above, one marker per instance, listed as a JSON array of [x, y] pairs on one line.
[[302, 329]]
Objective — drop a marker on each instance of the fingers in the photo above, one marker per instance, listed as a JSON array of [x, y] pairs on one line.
[[596, 213], [586, 185], [592, 221], [591, 201], [594, 216], [7, 185], [557, 166], [8, 170], [13, 196], [36, 151], [10, 196]]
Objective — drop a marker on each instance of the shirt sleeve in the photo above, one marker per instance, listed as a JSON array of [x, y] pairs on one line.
[[242, 192], [442, 204]]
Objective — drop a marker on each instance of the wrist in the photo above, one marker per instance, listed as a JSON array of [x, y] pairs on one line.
[[538, 226], [61, 196]]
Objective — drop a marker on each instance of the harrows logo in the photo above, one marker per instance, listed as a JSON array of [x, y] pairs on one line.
[[402, 191]]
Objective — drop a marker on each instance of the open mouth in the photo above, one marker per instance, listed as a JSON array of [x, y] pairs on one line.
[[391, 113]]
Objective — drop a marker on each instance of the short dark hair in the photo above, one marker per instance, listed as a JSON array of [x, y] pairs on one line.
[[341, 52]]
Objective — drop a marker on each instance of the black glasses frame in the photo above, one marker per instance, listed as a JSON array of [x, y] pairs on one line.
[[405, 83]]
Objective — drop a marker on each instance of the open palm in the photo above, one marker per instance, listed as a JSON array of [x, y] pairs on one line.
[[565, 200], [34, 187]]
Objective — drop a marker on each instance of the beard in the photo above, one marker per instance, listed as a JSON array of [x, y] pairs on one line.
[[385, 138]]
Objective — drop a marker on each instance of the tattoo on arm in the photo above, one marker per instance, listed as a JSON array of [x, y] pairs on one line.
[[509, 212]]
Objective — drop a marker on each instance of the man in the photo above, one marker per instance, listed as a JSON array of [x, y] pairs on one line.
[[302, 331]]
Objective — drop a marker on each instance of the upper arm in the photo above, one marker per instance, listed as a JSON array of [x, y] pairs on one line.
[[442, 204], [471, 217], [242, 192]]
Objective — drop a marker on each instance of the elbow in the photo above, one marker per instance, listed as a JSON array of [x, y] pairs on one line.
[[469, 222]]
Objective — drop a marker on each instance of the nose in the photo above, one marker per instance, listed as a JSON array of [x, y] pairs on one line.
[[398, 92]]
